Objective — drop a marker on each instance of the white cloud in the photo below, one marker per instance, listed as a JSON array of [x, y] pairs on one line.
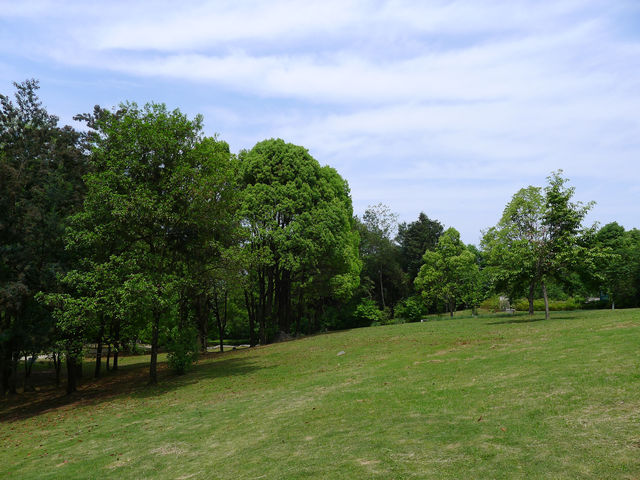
[[406, 99]]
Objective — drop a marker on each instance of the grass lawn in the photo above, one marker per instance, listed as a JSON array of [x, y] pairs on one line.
[[489, 397]]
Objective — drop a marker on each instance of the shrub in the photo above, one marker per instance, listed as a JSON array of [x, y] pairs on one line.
[[368, 313], [412, 309], [183, 349], [554, 305], [492, 304]]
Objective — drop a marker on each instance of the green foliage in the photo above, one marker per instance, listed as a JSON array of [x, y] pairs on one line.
[[40, 169], [450, 273], [414, 239], [539, 240], [368, 313], [522, 305], [159, 191], [620, 267], [302, 248], [412, 309], [491, 304], [382, 276], [182, 348]]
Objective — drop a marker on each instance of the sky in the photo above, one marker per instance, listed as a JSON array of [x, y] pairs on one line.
[[444, 107]]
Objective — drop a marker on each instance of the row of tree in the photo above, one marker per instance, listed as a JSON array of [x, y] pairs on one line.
[[539, 248], [140, 230]]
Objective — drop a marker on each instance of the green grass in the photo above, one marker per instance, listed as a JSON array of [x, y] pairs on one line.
[[489, 397]]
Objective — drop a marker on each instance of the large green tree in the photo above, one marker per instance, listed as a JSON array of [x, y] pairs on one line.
[[539, 239], [449, 273], [514, 247], [41, 165], [302, 247], [153, 198]]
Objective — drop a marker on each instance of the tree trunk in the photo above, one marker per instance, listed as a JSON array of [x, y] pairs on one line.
[[116, 352], [300, 311], [530, 297], [613, 303], [546, 301], [251, 311], [284, 301], [216, 310], [6, 373], [13, 379], [108, 356], [57, 365], [153, 364], [269, 305], [28, 365], [381, 290], [71, 373], [25, 380], [202, 307], [116, 344], [183, 308], [96, 374], [262, 309]]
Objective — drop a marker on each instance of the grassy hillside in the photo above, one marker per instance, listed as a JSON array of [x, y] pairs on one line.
[[489, 397]]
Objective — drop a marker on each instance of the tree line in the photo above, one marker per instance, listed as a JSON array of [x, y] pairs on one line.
[[141, 230]]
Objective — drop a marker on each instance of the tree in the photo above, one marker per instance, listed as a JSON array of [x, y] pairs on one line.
[[155, 190], [302, 248], [449, 273], [41, 166], [621, 268], [514, 246], [414, 239], [381, 255], [538, 239]]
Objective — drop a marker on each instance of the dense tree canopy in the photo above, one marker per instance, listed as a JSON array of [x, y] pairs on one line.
[[157, 192], [40, 169], [143, 231], [303, 248], [449, 273], [620, 279]]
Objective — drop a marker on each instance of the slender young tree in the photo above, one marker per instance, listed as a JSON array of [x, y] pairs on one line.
[[538, 239], [381, 256]]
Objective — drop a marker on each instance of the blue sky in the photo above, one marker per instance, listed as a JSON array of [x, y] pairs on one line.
[[446, 107]]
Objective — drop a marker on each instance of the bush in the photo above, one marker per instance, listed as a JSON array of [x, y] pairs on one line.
[[412, 309], [554, 305], [492, 304], [368, 313], [183, 349]]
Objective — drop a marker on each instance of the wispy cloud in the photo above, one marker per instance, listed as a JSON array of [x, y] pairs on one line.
[[411, 101]]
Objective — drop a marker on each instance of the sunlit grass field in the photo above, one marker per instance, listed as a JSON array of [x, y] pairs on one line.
[[489, 397]]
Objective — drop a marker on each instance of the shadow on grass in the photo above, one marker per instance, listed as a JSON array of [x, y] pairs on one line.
[[129, 380]]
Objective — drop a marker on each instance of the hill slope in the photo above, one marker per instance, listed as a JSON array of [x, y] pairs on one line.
[[489, 397]]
